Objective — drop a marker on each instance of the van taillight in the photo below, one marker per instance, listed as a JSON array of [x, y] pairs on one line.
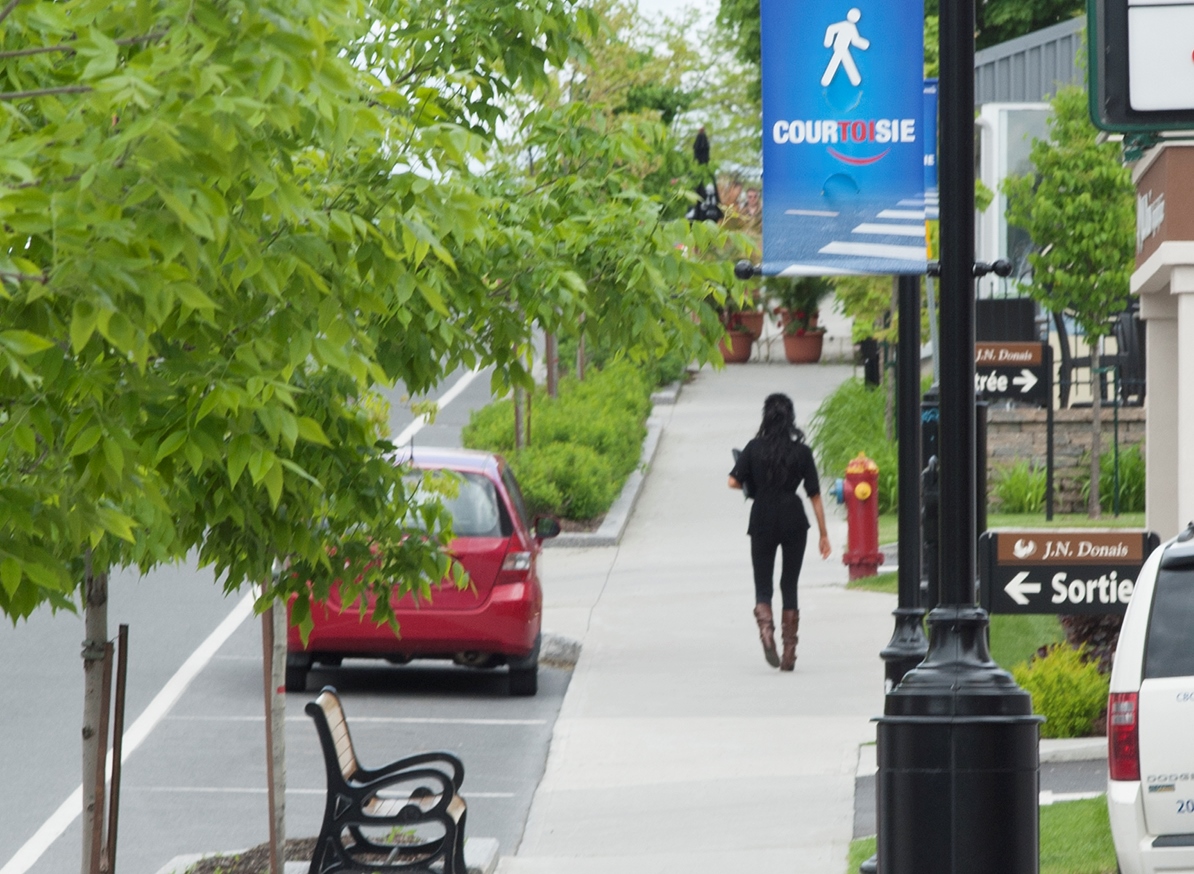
[[1123, 737]]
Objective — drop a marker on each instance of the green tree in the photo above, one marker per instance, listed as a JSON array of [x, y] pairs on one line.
[[220, 223], [1079, 210]]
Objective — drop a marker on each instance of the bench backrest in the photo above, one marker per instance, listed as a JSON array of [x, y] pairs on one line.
[[329, 703]]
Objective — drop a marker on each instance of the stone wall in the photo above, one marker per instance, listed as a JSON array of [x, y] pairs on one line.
[[1020, 433]]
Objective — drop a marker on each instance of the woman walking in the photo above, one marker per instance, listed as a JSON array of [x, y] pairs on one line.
[[771, 467]]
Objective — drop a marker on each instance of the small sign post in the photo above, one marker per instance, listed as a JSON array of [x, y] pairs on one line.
[[1061, 571]]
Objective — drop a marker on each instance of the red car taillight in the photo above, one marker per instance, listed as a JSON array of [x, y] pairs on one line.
[[1123, 738], [515, 567]]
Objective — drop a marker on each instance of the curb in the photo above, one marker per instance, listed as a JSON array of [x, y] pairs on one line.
[[480, 857], [614, 525], [1051, 750], [666, 395]]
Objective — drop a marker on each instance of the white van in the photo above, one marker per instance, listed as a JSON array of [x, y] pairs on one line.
[[1150, 717]]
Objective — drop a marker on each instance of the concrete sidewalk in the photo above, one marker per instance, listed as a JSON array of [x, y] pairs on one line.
[[678, 749]]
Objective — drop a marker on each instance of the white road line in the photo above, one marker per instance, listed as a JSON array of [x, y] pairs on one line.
[[385, 720], [912, 215], [872, 250], [446, 398], [818, 213], [893, 230], [254, 790], [70, 809]]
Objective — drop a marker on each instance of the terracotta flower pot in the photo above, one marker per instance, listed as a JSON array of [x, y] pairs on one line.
[[752, 321], [735, 347], [803, 348]]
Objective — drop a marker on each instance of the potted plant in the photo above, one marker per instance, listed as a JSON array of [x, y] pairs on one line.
[[803, 342], [751, 316], [736, 345], [798, 306]]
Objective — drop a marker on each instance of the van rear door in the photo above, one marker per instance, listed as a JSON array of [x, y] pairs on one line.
[[1167, 701]]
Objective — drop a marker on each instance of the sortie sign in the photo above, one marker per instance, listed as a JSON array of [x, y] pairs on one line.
[[1060, 571], [843, 137]]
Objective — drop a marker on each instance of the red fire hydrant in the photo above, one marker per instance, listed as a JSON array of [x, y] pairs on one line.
[[861, 490]]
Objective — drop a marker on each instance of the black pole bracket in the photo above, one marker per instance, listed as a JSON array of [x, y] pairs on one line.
[[745, 270]]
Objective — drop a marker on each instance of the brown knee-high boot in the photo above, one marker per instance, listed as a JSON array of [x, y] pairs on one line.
[[789, 625], [766, 622]]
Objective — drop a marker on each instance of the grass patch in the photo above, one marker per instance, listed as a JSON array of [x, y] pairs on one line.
[[860, 850], [889, 524], [885, 582], [1016, 638], [1075, 839]]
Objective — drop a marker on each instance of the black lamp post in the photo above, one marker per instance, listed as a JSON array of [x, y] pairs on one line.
[[957, 744], [908, 643]]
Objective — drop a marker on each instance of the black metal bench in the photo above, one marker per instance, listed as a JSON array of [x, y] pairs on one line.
[[408, 798]]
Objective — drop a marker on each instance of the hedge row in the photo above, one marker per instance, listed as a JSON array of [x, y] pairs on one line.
[[583, 443]]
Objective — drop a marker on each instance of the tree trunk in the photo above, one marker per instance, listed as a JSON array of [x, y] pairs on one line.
[[273, 646], [551, 352], [1094, 506], [519, 433], [95, 621]]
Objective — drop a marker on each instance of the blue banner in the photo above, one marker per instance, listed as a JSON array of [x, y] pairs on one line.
[[930, 137], [843, 137]]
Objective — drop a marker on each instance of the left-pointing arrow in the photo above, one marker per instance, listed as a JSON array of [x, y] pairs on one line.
[[1019, 588], [1026, 380]]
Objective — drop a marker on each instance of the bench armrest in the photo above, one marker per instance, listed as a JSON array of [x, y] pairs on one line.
[[368, 775]]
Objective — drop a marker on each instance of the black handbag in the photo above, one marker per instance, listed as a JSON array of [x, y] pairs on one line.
[[747, 492]]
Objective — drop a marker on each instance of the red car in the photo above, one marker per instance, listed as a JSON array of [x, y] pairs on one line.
[[495, 621]]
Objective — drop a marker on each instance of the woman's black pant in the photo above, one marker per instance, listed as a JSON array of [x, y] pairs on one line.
[[762, 556]]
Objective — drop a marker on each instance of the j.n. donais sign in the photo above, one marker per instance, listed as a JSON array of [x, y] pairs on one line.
[[1061, 571]]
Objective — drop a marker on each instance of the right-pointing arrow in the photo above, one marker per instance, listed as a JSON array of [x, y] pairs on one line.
[[1018, 588], [1026, 380]]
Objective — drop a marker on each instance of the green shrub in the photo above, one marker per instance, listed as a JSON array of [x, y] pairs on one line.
[[565, 479], [848, 422], [1131, 479], [1020, 488], [1066, 689], [490, 428], [583, 443]]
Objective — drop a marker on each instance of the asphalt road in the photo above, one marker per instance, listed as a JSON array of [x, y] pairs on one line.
[[196, 781]]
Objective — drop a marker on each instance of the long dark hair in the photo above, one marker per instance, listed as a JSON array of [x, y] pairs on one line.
[[777, 433]]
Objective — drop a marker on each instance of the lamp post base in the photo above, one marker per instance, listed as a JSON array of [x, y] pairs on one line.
[[959, 772]]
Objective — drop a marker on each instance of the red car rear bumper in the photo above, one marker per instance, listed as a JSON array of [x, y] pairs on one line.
[[506, 624]]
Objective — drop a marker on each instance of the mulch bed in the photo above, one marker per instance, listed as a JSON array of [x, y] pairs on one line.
[[255, 860], [583, 526]]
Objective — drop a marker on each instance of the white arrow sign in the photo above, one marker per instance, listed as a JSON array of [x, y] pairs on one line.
[[1026, 380], [1018, 588]]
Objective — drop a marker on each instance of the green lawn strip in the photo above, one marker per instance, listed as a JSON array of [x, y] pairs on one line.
[[860, 850], [1016, 638], [1075, 839], [889, 523], [885, 582]]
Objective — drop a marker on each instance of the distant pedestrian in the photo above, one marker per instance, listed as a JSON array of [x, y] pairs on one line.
[[770, 468]]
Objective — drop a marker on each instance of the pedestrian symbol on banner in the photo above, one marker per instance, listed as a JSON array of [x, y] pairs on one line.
[[842, 36]]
